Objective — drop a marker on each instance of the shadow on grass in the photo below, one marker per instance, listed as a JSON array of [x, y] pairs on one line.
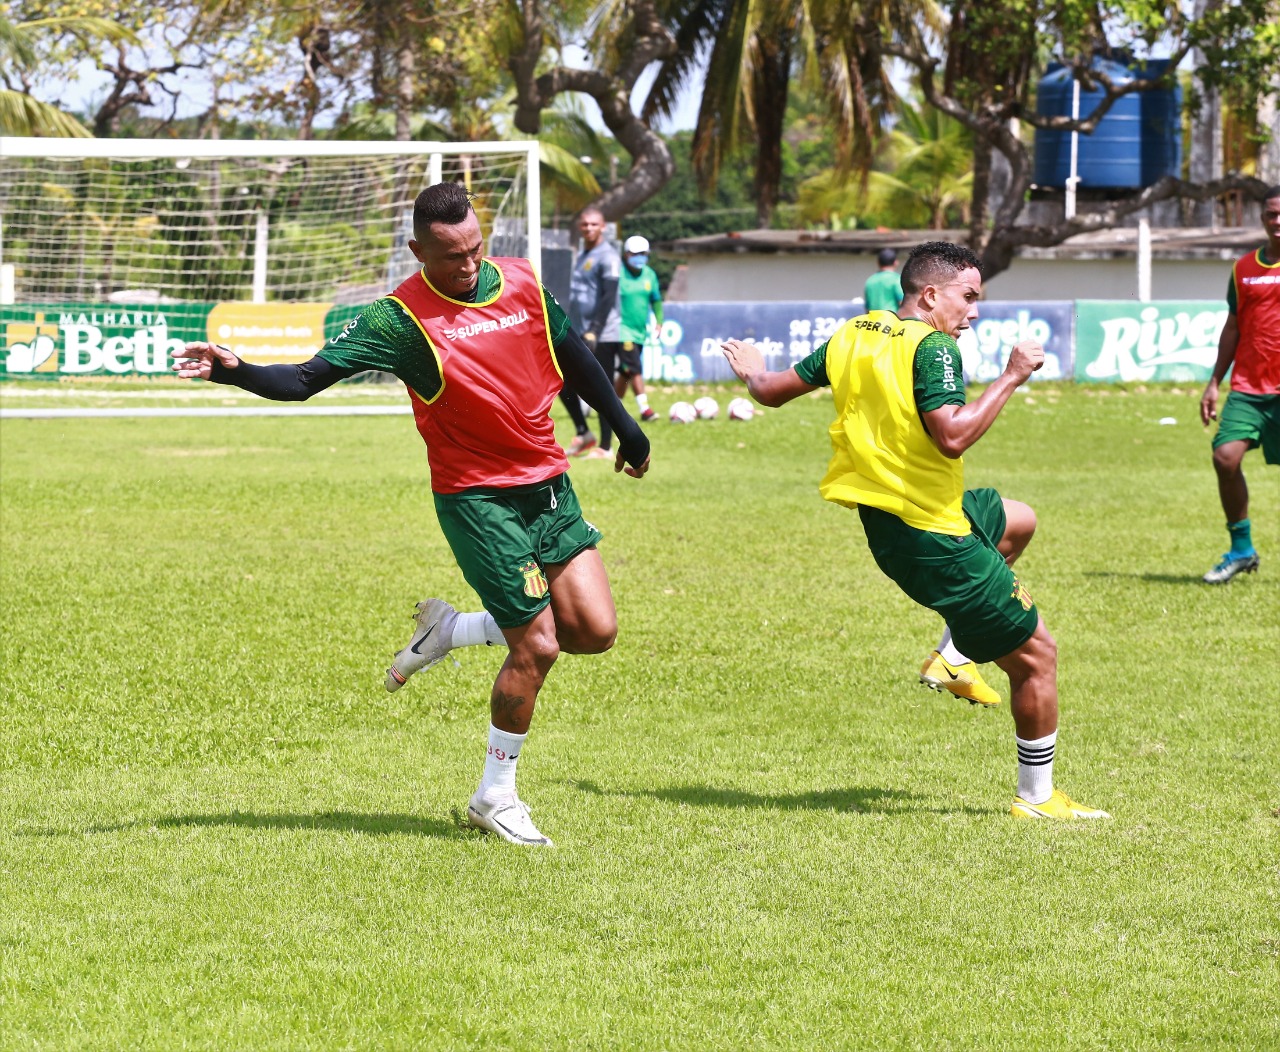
[[327, 821], [858, 799], [1153, 578]]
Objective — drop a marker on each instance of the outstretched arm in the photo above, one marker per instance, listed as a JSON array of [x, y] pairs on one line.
[[765, 387], [281, 383]]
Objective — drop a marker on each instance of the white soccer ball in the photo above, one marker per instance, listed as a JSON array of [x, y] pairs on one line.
[[682, 413], [707, 408], [741, 409]]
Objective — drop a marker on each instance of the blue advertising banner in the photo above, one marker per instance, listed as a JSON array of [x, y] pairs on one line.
[[688, 346], [985, 346]]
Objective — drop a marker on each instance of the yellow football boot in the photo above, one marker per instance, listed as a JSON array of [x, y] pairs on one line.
[[964, 681], [1059, 805]]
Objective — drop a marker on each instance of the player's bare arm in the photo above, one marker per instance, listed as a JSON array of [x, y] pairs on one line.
[[955, 428], [195, 360], [1228, 340], [767, 388]]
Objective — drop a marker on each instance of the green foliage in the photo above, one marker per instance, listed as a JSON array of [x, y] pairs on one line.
[[922, 178], [218, 831]]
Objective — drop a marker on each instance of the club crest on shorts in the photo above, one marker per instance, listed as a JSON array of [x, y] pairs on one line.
[[1021, 594], [535, 581]]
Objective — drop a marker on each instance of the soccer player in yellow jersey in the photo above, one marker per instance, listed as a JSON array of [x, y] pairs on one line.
[[902, 424]]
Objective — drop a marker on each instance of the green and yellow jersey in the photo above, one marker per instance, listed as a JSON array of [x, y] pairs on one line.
[[884, 372]]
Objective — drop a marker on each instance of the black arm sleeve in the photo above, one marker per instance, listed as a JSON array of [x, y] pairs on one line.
[[583, 375], [282, 383], [605, 305]]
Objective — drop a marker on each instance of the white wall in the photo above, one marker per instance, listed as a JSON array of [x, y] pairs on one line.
[[820, 276]]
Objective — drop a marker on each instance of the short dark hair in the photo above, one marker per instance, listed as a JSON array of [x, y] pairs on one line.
[[1272, 191], [934, 263], [888, 257], [446, 203]]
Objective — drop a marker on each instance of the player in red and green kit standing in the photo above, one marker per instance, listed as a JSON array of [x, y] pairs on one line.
[[1250, 347], [902, 424], [484, 350]]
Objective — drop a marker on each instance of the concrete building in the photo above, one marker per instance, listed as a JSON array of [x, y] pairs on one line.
[[779, 265]]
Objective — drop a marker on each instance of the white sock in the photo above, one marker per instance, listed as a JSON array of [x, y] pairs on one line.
[[642, 400], [1035, 768], [500, 763], [947, 649], [473, 630]]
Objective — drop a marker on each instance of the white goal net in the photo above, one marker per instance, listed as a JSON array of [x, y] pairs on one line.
[[165, 222]]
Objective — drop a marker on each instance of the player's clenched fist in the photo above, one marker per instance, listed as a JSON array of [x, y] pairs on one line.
[[195, 360], [1025, 358]]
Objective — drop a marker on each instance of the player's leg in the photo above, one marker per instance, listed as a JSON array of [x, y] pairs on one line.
[[631, 369], [585, 619], [1009, 525], [1033, 686], [583, 439], [1245, 422], [607, 355], [1233, 492]]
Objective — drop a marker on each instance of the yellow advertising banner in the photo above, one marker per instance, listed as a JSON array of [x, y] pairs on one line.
[[269, 333]]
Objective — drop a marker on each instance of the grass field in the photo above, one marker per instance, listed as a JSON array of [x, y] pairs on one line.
[[218, 831]]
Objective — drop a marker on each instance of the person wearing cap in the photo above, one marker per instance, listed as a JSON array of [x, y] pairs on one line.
[[638, 295], [883, 290]]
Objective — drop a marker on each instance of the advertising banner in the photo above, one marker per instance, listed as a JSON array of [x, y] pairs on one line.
[[65, 340], [48, 341], [1123, 341], [688, 346], [985, 346]]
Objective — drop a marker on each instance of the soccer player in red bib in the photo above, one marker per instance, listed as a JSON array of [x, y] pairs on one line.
[[484, 350], [1250, 347]]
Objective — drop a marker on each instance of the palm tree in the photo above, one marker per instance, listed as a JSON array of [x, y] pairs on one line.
[[755, 48], [923, 177], [20, 112]]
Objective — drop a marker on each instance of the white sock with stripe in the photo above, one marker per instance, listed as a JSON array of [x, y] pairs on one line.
[[1035, 768]]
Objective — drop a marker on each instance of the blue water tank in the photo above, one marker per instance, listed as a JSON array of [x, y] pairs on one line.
[[1134, 145]]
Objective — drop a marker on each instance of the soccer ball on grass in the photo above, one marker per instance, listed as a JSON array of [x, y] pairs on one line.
[[682, 413]]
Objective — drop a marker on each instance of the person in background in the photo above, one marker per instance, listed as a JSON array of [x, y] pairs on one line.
[[638, 297], [883, 290], [593, 306], [1250, 347]]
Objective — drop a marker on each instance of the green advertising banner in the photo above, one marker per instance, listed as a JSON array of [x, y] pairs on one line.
[[1122, 341], [51, 341]]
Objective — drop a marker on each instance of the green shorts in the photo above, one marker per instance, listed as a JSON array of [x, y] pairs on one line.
[[1254, 419], [504, 539], [965, 579]]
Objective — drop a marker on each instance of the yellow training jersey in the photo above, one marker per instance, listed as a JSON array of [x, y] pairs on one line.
[[882, 455]]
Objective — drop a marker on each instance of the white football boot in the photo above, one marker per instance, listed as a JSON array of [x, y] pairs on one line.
[[432, 640], [508, 816]]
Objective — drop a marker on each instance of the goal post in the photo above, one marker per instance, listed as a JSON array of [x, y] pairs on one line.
[[258, 221]]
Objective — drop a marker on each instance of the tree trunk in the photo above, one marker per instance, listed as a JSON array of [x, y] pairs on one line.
[[769, 91], [404, 92], [980, 202]]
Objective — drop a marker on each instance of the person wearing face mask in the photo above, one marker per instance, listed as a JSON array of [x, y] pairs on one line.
[[638, 297]]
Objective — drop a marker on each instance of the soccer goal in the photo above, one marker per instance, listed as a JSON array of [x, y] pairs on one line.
[[167, 221]]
